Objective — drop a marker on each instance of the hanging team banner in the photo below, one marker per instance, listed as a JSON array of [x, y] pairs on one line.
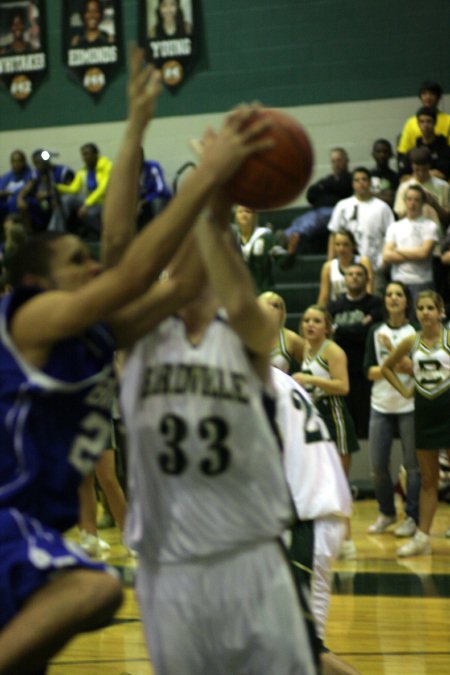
[[92, 41], [23, 48], [169, 32]]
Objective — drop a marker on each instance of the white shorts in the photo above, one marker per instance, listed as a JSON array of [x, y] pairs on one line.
[[235, 614]]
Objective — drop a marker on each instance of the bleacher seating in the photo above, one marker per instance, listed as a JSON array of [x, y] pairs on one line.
[[298, 285]]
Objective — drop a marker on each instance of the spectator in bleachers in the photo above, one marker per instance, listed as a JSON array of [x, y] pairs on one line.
[[323, 196], [445, 262], [409, 246], [353, 313], [392, 414], [430, 94], [154, 193], [384, 180], [260, 248], [39, 197], [368, 218], [437, 144], [332, 276], [12, 182], [14, 235], [437, 190], [81, 201]]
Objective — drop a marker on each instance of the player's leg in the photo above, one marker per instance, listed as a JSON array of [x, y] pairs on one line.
[[235, 612], [74, 601], [105, 470], [271, 619], [171, 602], [328, 537], [89, 540]]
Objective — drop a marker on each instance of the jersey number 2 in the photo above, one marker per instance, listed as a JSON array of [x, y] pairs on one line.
[[212, 430]]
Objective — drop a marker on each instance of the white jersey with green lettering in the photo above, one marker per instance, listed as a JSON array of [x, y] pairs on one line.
[[314, 471], [205, 466]]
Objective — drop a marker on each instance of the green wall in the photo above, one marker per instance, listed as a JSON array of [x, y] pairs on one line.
[[281, 52]]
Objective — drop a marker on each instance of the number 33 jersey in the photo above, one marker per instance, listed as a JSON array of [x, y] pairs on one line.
[[54, 422], [205, 467]]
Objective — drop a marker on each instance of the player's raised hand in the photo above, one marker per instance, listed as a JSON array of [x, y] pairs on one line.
[[240, 136], [144, 87]]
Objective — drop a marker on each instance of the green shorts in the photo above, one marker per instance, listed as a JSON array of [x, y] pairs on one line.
[[339, 423]]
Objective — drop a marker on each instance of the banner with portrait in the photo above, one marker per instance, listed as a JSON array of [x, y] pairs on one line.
[[92, 42], [169, 32], [23, 46]]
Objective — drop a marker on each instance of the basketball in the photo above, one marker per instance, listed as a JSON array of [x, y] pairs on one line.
[[274, 177]]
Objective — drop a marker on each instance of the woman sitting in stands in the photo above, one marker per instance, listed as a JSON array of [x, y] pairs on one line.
[[332, 277]]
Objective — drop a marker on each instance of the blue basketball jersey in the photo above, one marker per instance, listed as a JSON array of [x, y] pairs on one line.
[[54, 422]]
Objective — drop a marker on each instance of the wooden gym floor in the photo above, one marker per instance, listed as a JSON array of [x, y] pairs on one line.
[[388, 615]]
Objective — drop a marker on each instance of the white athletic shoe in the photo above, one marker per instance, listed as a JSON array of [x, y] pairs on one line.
[[381, 524], [406, 529], [93, 545], [348, 550], [419, 545]]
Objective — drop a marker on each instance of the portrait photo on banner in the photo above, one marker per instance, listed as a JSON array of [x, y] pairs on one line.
[[168, 29], [23, 50], [92, 41]]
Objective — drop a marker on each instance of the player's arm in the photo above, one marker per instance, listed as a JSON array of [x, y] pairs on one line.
[[394, 358], [121, 201], [53, 316], [338, 384], [181, 283], [231, 280]]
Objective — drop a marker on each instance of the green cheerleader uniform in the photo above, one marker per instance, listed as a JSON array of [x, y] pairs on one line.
[[332, 408], [431, 367]]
